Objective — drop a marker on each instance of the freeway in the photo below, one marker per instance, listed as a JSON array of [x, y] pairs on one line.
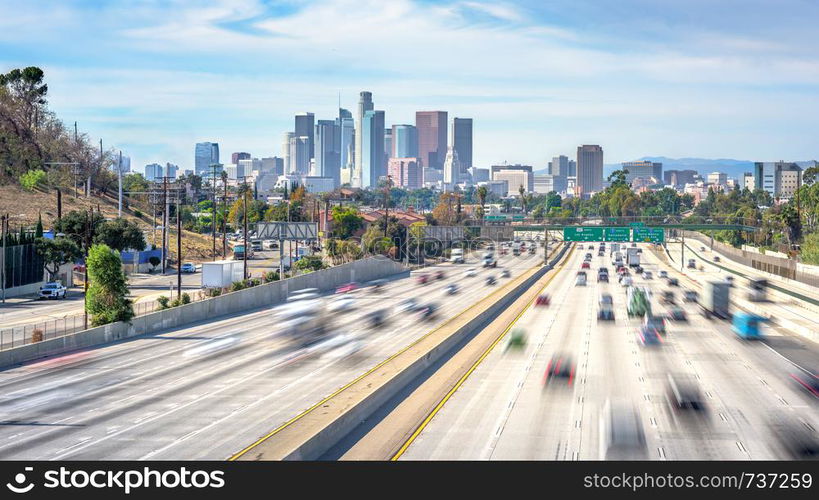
[[205, 391], [505, 411]]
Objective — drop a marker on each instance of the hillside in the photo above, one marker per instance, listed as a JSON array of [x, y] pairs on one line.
[[24, 207]]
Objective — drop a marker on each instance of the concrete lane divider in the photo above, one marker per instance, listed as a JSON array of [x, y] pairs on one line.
[[315, 431]]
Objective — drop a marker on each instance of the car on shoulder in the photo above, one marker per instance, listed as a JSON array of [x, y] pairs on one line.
[[52, 290], [188, 267], [560, 368]]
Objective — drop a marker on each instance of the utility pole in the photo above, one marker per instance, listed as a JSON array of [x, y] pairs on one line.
[[213, 211], [244, 222], [178, 249], [387, 203], [224, 215], [3, 223], [164, 221], [85, 284], [119, 179]]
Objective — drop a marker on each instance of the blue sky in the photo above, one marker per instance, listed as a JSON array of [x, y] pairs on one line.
[[728, 78]]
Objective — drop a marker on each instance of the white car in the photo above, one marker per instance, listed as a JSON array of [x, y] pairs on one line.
[[469, 273], [406, 305], [52, 290], [341, 304], [626, 281]]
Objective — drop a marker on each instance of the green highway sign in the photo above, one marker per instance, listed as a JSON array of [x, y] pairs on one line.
[[580, 233], [495, 217], [617, 234], [649, 234], [517, 217], [637, 224]]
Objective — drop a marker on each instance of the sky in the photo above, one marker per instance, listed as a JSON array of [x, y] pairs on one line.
[[677, 78]]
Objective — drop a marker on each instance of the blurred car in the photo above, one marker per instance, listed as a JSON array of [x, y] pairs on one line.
[[638, 269], [602, 277], [606, 310], [692, 264], [662, 274], [683, 393], [647, 275], [601, 253], [428, 310], [52, 290], [677, 313], [626, 280], [343, 303], [422, 279], [376, 318], [439, 275], [490, 280], [469, 273], [348, 287], [716, 258], [655, 322], [667, 297], [690, 296], [451, 289], [560, 367], [673, 282], [585, 265], [303, 294], [377, 286], [621, 432], [543, 300], [188, 267], [406, 305], [516, 340], [580, 247], [648, 336], [807, 381], [795, 439], [505, 273], [580, 279], [730, 280]]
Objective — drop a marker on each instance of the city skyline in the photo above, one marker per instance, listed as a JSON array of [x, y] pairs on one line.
[[699, 86]]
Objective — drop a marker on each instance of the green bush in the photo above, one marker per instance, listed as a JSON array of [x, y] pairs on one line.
[[163, 302], [186, 299], [213, 292], [32, 179], [236, 286], [175, 302], [271, 276]]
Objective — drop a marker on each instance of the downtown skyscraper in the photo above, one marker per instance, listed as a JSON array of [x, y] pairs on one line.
[[462, 141], [305, 127], [589, 169], [365, 103], [205, 155], [404, 141], [432, 138], [373, 165], [328, 151]]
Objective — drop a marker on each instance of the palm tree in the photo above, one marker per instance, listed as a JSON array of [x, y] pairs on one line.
[[522, 192], [482, 192]]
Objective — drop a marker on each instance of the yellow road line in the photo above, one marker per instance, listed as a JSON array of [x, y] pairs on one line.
[[357, 379], [474, 366]]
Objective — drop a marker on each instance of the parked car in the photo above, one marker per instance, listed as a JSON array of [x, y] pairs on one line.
[[52, 290], [188, 267]]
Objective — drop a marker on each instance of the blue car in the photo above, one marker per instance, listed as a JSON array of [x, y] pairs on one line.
[[188, 267], [649, 336]]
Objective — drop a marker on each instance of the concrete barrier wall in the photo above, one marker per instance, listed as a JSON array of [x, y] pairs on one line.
[[316, 446], [256, 297]]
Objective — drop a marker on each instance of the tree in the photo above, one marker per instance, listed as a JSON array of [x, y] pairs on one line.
[[810, 249], [310, 263], [56, 252], [482, 191], [346, 221], [120, 234], [618, 178], [74, 225], [444, 212], [38, 232], [106, 300]]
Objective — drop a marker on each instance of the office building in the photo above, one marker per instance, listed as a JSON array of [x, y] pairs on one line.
[[388, 143], [452, 168], [781, 179], [559, 166], [373, 166], [479, 174], [249, 166], [515, 175], [171, 170], [432, 176], [272, 165], [305, 125], [299, 155], [286, 150], [499, 187], [346, 140], [572, 168], [235, 157], [462, 141], [328, 151], [404, 141], [589, 170], [544, 184], [318, 184], [365, 103], [717, 179], [748, 181], [432, 138], [205, 155], [678, 178], [642, 170], [153, 172], [406, 173]]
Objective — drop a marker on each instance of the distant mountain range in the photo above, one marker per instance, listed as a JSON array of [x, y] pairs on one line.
[[703, 166]]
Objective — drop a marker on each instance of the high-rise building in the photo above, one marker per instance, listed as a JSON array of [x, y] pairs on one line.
[[718, 178], [643, 170], [328, 151], [272, 165], [781, 179], [544, 184], [432, 138], [682, 177], [404, 141], [171, 170], [388, 143], [589, 170], [572, 168], [515, 176], [346, 140], [365, 103], [305, 127], [479, 174], [300, 155], [559, 170], [748, 181], [235, 157], [125, 164], [153, 172], [406, 173], [205, 155], [372, 148], [462, 141], [286, 151], [452, 168]]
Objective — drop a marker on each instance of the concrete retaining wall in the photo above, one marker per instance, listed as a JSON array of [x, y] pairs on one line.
[[228, 304]]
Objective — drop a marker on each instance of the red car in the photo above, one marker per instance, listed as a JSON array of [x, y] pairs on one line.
[[422, 279], [560, 366], [585, 265], [542, 300], [807, 381], [349, 287]]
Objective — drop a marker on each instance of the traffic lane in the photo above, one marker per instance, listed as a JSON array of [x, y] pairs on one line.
[[747, 384], [473, 418], [151, 413]]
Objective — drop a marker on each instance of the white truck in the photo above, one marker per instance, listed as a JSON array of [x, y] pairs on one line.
[[632, 257], [456, 256], [221, 273]]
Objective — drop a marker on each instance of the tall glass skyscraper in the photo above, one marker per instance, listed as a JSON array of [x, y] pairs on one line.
[[404, 141], [432, 138], [372, 148], [365, 103], [462, 141], [305, 127], [205, 155], [328, 151], [589, 169]]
